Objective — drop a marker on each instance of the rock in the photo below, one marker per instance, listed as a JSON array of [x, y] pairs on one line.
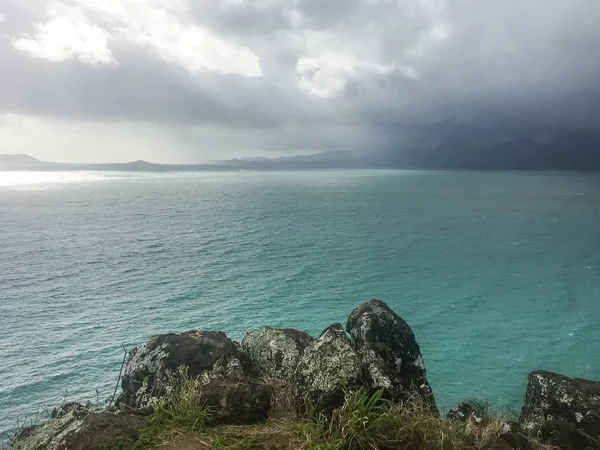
[[468, 411], [226, 383], [77, 427], [232, 398], [461, 412], [510, 441], [328, 366], [74, 407], [566, 436], [275, 352], [551, 396], [153, 367], [512, 427], [389, 351]]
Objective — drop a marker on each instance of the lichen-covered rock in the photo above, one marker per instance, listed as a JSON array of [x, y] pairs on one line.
[[153, 367], [77, 427], [231, 396], [551, 396], [461, 412], [275, 352], [467, 412], [387, 348], [327, 367], [226, 384]]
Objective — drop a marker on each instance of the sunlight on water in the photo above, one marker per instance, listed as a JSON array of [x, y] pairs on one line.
[[44, 180]]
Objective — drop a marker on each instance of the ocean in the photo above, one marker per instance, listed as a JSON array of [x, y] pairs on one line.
[[497, 273]]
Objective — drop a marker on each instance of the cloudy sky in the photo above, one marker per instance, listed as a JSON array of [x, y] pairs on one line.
[[196, 80]]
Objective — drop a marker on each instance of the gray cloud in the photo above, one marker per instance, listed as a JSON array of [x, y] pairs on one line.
[[305, 75]]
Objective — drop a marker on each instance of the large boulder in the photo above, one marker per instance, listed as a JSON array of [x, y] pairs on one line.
[[153, 367], [227, 385], [551, 396], [78, 427], [388, 350], [328, 366], [275, 352]]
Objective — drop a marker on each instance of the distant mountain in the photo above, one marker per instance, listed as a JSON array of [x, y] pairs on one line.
[[334, 159], [140, 163], [18, 160], [579, 152]]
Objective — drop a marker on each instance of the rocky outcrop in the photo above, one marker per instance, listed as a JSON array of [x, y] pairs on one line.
[[389, 352], [556, 397], [328, 366], [227, 385], [153, 367], [378, 350], [381, 353], [78, 427], [275, 352]]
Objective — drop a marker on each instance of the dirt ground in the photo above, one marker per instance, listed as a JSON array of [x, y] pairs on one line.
[[256, 437]]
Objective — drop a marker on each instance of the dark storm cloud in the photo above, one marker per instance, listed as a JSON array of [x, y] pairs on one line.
[[314, 73]]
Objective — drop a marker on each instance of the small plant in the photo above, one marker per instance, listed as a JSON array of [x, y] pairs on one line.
[[284, 403], [183, 412], [486, 424]]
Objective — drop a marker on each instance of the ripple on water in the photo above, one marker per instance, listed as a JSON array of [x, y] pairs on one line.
[[91, 264]]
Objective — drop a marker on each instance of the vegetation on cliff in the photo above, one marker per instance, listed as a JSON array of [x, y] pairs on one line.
[[359, 388]]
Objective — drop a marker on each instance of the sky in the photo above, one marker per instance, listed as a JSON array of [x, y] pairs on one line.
[[190, 81]]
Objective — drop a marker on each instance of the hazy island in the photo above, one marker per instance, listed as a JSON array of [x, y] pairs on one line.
[[362, 386], [572, 152]]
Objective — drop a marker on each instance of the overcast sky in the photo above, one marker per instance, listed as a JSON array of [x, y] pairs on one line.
[[196, 80]]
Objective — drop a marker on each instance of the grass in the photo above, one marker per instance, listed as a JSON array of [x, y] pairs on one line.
[[367, 422], [182, 411], [363, 422]]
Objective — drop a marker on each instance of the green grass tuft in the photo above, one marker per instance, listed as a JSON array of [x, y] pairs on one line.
[[367, 422], [182, 412]]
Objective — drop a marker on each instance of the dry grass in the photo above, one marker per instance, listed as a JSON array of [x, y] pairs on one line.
[[247, 437], [486, 432], [284, 403], [362, 422], [183, 412]]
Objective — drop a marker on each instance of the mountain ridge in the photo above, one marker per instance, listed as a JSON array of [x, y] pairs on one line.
[[575, 152]]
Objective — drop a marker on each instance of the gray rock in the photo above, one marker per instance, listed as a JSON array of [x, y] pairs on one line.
[[510, 441], [275, 352], [551, 396], [461, 412], [226, 385], [77, 427], [231, 396], [328, 366], [389, 352], [565, 436], [153, 367]]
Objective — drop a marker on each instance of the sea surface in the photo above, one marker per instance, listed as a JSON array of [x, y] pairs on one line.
[[497, 273]]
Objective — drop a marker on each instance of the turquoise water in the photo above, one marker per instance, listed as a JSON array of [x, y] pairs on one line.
[[497, 273]]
